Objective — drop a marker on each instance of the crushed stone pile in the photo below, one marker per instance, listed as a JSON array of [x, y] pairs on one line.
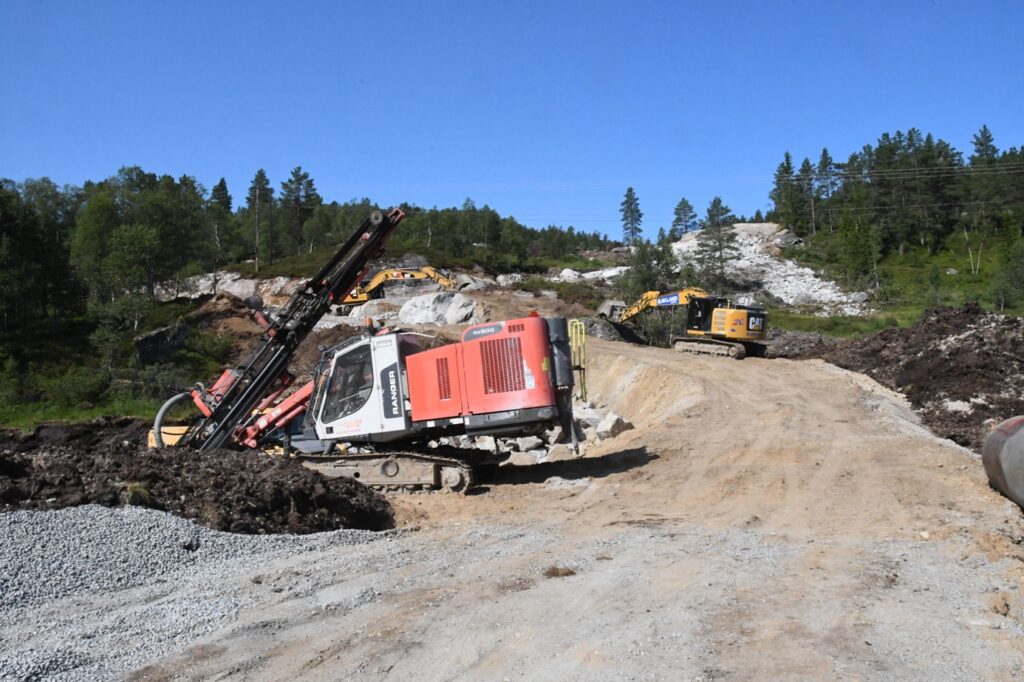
[[155, 582], [961, 368], [240, 492]]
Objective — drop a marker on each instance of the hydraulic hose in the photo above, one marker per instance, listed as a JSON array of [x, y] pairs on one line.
[[158, 422]]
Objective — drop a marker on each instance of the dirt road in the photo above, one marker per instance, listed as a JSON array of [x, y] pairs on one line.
[[767, 519]]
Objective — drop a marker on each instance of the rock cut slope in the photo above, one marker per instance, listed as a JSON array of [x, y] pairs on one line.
[[761, 267]]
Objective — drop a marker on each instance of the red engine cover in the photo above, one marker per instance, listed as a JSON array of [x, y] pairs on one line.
[[498, 366]]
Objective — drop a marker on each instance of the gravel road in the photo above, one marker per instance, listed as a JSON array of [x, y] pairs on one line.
[[767, 519]]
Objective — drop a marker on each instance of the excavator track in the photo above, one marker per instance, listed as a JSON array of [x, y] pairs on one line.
[[406, 471], [706, 346]]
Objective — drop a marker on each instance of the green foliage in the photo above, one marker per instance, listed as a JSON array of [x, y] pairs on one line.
[[716, 243], [653, 267], [912, 189], [632, 217], [1008, 281], [582, 293], [137, 494], [75, 387], [843, 326], [684, 219]]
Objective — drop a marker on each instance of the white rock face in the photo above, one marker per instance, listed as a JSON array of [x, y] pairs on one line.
[[273, 291], [570, 275], [332, 321], [793, 284], [510, 279], [445, 307]]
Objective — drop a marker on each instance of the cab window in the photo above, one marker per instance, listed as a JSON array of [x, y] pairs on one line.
[[350, 384]]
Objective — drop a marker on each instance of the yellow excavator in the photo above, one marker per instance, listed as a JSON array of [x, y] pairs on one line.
[[374, 287], [713, 323]]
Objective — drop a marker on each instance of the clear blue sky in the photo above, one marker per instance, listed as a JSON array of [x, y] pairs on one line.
[[545, 111]]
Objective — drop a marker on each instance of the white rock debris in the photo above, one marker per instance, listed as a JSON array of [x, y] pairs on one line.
[[759, 265]]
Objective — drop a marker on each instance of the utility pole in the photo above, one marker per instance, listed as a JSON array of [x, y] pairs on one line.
[[270, 231], [257, 229]]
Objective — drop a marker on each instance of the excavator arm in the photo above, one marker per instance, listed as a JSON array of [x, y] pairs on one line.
[[364, 292], [658, 299]]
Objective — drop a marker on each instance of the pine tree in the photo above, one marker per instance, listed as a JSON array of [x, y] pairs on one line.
[[825, 174], [984, 146], [261, 198], [220, 196], [716, 242], [683, 221], [807, 190], [300, 198], [261, 184], [785, 193], [632, 217]]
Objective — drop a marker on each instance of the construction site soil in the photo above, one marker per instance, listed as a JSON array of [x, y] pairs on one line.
[[961, 368], [104, 463]]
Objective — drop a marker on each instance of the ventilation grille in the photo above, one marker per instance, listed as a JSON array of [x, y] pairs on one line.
[[444, 380], [513, 328], [502, 365]]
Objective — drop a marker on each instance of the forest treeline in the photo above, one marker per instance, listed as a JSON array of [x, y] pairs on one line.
[[908, 190], [104, 246]]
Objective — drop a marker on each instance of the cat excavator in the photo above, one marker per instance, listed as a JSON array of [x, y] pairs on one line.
[[714, 325], [378, 402], [374, 286]]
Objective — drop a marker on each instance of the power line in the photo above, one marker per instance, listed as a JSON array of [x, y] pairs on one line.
[[919, 173]]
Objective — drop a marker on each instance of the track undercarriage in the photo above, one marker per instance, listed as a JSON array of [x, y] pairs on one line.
[[703, 345], [454, 470]]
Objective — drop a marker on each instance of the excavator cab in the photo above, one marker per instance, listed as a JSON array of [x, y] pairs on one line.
[[699, 312]]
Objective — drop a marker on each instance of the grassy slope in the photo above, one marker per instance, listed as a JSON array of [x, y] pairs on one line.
[[907, 286]]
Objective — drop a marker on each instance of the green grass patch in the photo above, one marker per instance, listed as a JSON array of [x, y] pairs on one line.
[[27, 415], [844, 326]]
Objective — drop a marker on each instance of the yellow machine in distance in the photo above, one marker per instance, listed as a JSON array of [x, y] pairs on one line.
[[374, 287], [713, 323]]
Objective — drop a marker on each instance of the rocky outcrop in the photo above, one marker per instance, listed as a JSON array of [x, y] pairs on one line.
[[445, 307]]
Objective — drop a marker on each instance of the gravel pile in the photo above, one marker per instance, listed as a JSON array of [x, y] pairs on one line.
[[138, 561]]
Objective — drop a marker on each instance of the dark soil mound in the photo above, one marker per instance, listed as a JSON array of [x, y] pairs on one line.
[[962, 368], [787, 344], [241, 492]]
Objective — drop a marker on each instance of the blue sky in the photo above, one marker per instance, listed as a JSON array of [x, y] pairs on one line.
[[546, 111]]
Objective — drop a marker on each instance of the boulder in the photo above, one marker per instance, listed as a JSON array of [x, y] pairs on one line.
[[528, 443], [510, 279], [157, 345], [445, 307], [587, 415], [466, 282], [484, 443], [612, 425], [378, 309], [526, 459], [560, 452], [568, 275]]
